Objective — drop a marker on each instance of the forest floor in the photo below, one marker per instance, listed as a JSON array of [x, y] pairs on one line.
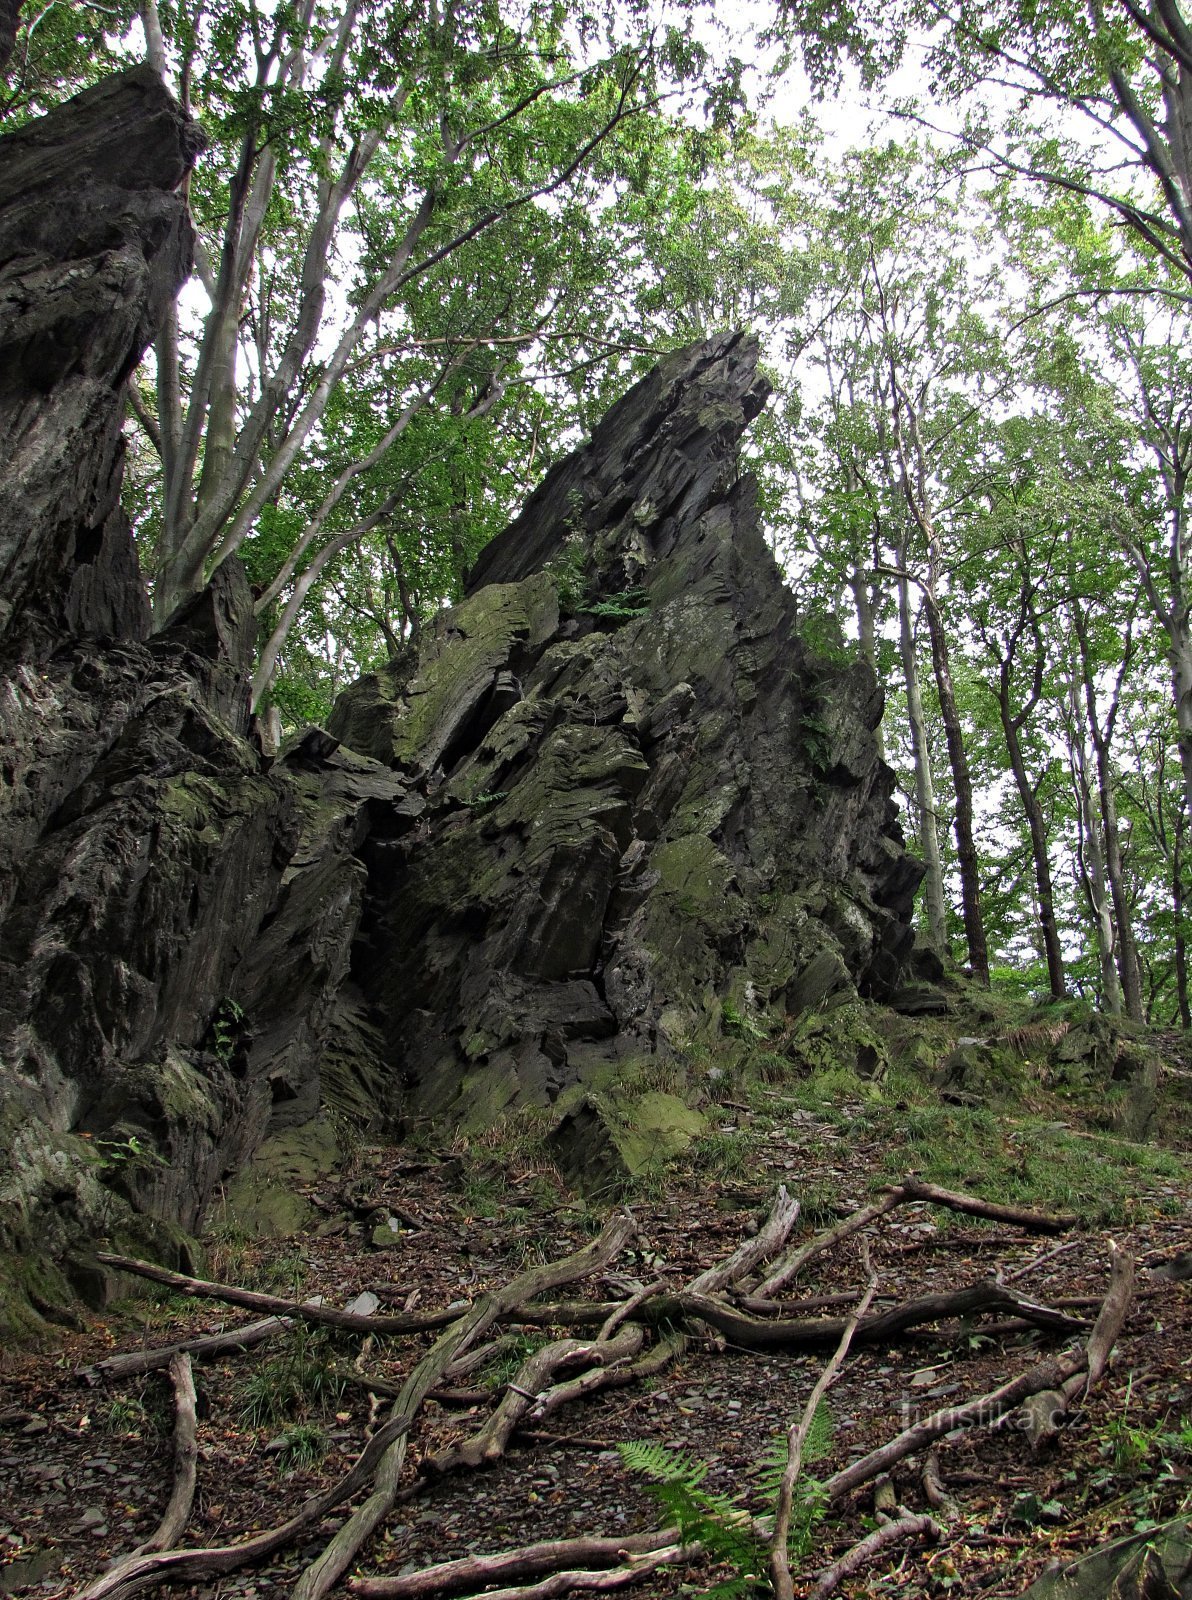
[[86, 1461]]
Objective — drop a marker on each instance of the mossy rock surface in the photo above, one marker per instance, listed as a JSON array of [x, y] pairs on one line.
[[264, 1199], [606, 1139]]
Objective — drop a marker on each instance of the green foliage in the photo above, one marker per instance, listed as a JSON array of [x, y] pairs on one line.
[[116, 1155], [722, 1524], [621, 607], [740, 1024], [294, 1384], [568, 572], [302, 1445], [718, 1522], [227, 1031]]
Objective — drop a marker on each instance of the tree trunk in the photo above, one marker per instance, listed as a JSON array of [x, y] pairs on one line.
[[928, 835], [1177, 904], [962, 783], [1029, 797], [1127, 952], [1093, 875]]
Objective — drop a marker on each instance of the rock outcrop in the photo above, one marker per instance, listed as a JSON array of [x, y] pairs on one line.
[[653, 816], [610, 809], [160, 883]]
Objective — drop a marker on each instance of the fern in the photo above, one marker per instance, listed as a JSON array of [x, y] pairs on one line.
[[720, 1524], [810, 1501]]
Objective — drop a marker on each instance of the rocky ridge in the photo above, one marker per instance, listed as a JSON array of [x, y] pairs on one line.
[[610, 809]]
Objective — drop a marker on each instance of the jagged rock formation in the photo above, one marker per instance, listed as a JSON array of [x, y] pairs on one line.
[[650, 808], [158, 884], [611, 808]]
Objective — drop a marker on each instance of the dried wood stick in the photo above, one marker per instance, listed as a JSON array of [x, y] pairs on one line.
[[473, 1572], [1041, 1261], [488, 1442], [663, 1353], [330, 1316], [186, 1452], [972, 1205], [132, 1363], [933, 1487], [1112, 1316], [908, 1526], [327, 1568], [790, 1266], [635, 1302], [780, 1567], [769, 1333], [771, 1236], [908, 1189], [793, 1308], [989, 1407], [616, 1578]]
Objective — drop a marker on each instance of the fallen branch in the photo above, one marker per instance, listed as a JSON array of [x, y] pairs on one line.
[[1044, 1413], [617, 1578], [908, 1526], [1060, 1378], [771, 1236], [326, 1570], [132, 1363], [790, 1267], [986, 1408], [473, 1572], [329, 1316], [488, 1443], [971, 1205], [780, 1568], [910, 1189], [182, 1497], [933, 1487], [770, 1333], [597, 1378]]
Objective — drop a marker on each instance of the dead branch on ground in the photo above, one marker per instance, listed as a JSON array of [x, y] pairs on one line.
[[1053, 1374], [309, 1311], [777, 1333], [473, 1572], [780, 1568], [908, 1526], [909, 1190]]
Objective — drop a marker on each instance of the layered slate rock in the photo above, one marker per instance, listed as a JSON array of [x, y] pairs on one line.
[[176, 913], [610, 809], [653, 815], [94, 243]]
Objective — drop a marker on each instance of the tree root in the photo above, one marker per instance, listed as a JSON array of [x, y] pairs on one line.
[[622, 1351], [473, 1572], [908, 1526]]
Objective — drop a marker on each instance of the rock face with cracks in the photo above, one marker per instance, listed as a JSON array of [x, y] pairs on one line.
[[651, 811], [176, 915], [610, 809]]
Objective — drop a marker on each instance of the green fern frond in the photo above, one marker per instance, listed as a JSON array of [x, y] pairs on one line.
[[671, 1467], [815, 1448], [717, 1522]]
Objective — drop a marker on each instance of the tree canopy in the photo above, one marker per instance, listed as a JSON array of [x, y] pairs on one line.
[[437, 239]]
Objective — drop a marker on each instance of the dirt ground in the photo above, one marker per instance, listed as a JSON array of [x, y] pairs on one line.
[[86, 1466]]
